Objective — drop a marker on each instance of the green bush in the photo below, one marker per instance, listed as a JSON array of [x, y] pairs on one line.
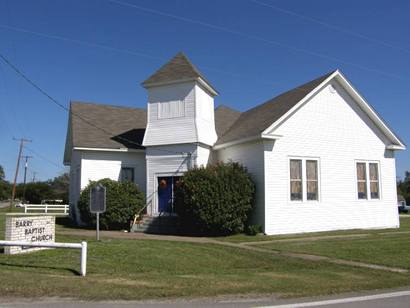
[[215, 200], [253, 229], [123, 201]]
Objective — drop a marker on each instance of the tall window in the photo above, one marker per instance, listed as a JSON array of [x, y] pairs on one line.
[[296, 179], [374, 180], [311, 180], [361, 181], [368, 181], [127, 174], [304, 179]]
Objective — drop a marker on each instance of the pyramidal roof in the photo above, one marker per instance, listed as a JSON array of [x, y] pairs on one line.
[[178, 69]]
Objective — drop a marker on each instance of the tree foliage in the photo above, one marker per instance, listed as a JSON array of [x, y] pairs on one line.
[[403, 187], [215, 200], [123, 201], [5, 187]]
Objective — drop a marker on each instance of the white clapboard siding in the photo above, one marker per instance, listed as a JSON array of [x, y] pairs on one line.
[[333, 129], [251, 156], [180, 113]]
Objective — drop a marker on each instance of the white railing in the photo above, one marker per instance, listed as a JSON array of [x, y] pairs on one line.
[[47, 208], [82, 246]]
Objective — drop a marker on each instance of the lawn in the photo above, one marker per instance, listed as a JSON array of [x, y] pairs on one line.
[[145, 269], [141, 269], [240, 238], [386, 249]]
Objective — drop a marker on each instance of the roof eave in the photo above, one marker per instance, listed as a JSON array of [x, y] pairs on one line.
[[201, 81], [364, 105]]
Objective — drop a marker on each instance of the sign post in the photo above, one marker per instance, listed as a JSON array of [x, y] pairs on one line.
[[98, 204]]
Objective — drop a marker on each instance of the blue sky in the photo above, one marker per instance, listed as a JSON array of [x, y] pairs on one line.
[[251, 50]]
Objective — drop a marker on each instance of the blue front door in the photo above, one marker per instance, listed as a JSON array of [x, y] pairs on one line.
[[165, 194], [166, 186]]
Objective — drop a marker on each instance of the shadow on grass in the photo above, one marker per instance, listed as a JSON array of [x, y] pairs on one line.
[[41, 267]]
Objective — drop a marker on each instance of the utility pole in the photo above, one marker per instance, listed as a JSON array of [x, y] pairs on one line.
[[13, 194], [34, 176], [26, 158]]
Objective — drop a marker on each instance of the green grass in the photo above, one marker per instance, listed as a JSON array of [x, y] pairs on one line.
[[384, 248], [141, 269], [239, 238], [145, 269]]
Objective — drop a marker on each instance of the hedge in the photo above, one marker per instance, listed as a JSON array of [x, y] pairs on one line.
[[215, 200], [123, 201]]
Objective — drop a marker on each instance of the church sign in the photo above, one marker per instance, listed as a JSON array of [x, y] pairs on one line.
[[34, 228]]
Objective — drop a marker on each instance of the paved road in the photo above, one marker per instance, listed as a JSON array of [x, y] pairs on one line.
[[396, 299]]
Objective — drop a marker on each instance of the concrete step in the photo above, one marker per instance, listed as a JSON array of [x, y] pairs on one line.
[[157, 225]]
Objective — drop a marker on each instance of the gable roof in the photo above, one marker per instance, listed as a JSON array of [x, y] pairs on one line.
[[126, 127], [260, 122], [254, 121], [178, 69]]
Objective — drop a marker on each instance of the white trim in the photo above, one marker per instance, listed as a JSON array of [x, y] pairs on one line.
[[201, 81], [247, 139], [395, 147], [363, 104], [107, 149], [368, 192]]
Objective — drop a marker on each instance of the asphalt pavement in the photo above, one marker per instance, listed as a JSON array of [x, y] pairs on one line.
[[392, 299]]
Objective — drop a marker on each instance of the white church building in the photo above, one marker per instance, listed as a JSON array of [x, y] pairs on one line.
[[319, 154]]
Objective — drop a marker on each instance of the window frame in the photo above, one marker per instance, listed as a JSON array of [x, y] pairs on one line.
[[304, 159], [367, 169], [133, 173]]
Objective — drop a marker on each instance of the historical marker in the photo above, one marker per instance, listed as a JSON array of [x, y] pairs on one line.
[[98, 204]]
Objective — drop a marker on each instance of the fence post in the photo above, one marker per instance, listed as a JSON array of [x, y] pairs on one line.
[[83, 269]]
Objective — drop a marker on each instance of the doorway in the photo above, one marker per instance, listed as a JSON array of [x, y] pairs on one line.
[[166, 192]]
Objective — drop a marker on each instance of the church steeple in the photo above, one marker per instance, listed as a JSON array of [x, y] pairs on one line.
[[178, 69], [180, 105]]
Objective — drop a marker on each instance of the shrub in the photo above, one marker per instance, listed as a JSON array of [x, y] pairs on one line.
[[215, 200], [253, 229], [123, 201]]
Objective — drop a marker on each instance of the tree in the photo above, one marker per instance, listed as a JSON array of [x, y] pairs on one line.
[[2, 174], [403, 187], [5, 187]]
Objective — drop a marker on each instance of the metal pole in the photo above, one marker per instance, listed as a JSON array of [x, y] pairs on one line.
[[98, 226]]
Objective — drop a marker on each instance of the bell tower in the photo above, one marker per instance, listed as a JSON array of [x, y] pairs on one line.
[[180, 105]]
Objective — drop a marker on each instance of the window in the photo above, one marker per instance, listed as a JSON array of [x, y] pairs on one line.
[[171, 109], [361, 181], [311, 180], [368, 186], [127, 174], [374, 180], [295, 179], [304, 180]]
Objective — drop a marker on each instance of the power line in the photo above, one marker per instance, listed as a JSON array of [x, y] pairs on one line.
[[252, 37], [330, 26], [62, 106], [119, 50]]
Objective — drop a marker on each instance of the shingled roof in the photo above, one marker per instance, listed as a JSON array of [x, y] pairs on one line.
[[254, 121], [126, 126], [122, 127], [179, 68]]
